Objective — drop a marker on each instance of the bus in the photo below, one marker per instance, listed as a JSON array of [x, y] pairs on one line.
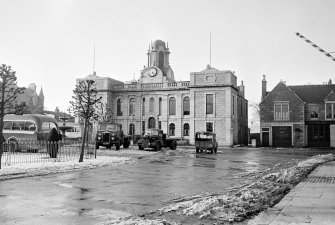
[[28, 127]]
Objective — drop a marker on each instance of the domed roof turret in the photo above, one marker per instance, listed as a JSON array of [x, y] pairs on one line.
[[158, 43]]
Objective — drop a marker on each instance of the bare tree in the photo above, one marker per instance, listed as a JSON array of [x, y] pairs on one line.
[[83, 105], [104, 112], [8, 93], [254, 119]]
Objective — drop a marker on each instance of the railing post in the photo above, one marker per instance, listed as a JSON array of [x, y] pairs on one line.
[[95, 151]]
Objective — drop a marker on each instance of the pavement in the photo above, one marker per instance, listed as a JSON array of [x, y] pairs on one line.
[[312, 201]]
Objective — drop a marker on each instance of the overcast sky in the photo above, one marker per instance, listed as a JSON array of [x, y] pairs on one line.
[[50, 43]]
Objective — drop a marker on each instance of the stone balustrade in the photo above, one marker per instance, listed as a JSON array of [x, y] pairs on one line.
[[150, 86]]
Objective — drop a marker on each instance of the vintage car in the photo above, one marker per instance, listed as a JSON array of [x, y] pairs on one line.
[[205, 141], [156, 139], [111, 134]]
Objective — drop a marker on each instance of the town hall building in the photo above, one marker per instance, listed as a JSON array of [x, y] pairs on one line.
[[210, 101]]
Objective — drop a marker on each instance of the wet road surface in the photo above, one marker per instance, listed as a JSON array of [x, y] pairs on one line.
[[92, 196]]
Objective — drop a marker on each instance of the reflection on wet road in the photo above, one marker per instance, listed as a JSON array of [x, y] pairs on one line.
[[91, 196]]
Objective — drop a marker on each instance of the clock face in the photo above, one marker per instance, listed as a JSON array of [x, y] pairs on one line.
[[152, 72]]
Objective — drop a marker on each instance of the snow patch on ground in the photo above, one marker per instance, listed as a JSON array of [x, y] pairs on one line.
[[37, 169], [241, 204]]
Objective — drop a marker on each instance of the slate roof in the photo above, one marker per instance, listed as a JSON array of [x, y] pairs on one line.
[[313, 93]]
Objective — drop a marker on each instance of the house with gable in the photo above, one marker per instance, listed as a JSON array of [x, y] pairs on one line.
[[298, 116]]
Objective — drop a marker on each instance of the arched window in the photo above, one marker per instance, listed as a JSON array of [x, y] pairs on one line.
[[171, 129], [186, 129], [118, 107], [186, 105], [151, 123], [160, 106], [132, 107], [161, 60], [131, 129], [152, 105], [172, 106]]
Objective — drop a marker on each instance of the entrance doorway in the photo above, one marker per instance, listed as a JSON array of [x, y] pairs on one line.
[[265, 139], [282, 136]]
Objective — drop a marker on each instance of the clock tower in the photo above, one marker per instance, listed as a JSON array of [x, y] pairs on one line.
[[158, 69]]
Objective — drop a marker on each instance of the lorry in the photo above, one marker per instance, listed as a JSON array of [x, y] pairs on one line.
[[205, 141], [156, 139], [111, 134]]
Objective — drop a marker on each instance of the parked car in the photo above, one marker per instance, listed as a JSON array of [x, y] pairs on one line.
[[111, 134], [205, 141], [156, 139]]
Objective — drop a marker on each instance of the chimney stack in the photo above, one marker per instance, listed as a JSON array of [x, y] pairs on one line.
[[263, 87], [241, 88]]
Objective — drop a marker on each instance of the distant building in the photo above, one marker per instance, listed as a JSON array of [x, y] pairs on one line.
[[299, 116], [34, 101], [210, 101]]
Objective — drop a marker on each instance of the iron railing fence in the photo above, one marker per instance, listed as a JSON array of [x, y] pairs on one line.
[[25, 152]]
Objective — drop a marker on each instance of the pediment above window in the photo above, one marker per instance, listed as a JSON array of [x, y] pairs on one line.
[[330, 96]]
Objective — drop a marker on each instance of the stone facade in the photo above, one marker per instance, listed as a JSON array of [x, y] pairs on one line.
[[34, 101], [210, 101], [296, 115]]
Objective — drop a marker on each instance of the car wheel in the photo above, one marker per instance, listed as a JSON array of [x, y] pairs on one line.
[[197, 150], [109, 146], [158, 146], [173, 145], [117, 146], [126, 144], [216, 150], [212, 151], [140, 147]]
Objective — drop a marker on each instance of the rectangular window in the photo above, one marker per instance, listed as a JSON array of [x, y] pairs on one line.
[[209, 126], [160, 106], [328, 110], [241, 108], [159, 124], [143, 127], [281, 111], [7, 125], [209, 104], [143, 107], [314, 111], [233, 104]]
